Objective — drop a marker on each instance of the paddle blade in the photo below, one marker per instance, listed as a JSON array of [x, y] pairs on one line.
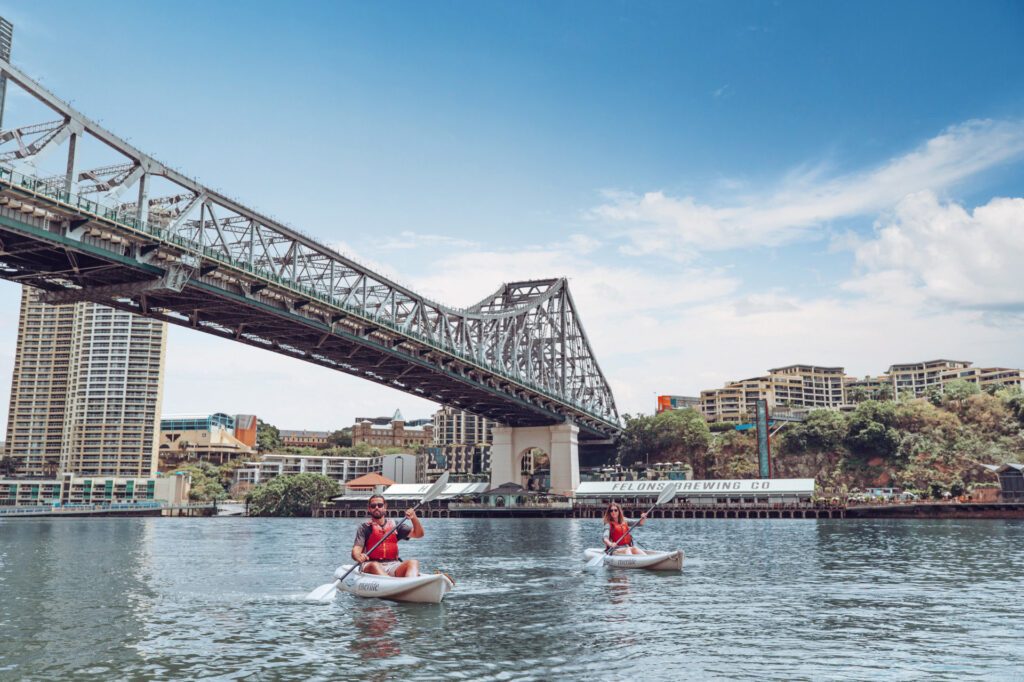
[[596, 561], [436, 489], [324, 593], [668, 493]]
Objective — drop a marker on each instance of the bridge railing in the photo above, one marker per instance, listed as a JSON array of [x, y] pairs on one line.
[[103, 212]]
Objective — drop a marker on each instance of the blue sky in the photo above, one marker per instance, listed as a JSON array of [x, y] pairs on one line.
[[729, 186]]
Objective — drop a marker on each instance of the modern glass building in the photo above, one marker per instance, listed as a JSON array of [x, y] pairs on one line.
[[197, 422]]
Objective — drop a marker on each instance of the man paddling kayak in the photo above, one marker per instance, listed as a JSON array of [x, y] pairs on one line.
[[618, 531], [384, 560]]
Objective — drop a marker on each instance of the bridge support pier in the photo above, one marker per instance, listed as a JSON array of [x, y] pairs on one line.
[[560, 442]]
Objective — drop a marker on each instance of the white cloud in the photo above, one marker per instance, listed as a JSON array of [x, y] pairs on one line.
[[947, 254], [679, 331], [655, 223], [417, 240], [744, 337]]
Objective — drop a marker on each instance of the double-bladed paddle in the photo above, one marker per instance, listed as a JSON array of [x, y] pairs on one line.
[[667, 494], [325, 593]]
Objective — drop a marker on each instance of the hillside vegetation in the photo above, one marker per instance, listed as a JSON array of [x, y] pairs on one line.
[[926, 444]]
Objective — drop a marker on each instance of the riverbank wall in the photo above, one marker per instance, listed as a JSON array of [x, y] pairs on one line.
[[939, 510], [924, 510]]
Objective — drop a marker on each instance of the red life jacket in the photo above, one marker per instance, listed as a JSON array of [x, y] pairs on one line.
[[388, 550], [618, 530]]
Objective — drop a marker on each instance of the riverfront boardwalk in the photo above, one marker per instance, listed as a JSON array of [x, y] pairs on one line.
[[590, 510], [116, 509]]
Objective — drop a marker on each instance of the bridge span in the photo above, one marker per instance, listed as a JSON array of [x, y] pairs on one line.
[[195, 257]]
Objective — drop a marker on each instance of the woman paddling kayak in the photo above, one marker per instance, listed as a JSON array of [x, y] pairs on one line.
[[618, 531]]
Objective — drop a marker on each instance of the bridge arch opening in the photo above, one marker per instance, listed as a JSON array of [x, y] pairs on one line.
[[547, 454], [534, 469]]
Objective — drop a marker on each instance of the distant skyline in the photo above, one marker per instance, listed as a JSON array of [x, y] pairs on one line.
[[728, 186]]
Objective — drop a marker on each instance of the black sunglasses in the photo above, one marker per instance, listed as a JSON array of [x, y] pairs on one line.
[[374, 505]]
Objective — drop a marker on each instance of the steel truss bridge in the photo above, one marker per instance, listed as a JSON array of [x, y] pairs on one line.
[[200, 259]]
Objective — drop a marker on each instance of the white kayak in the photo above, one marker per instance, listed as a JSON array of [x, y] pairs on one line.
[[652, 560], [423, 589]]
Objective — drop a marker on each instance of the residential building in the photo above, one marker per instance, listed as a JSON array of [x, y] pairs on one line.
[[71, 489], [304, 439], [737, 400], [462, 442], [211, 437], [396, 433], [998, 377], [916, 378], [39, 387], [867, 388], [809, 386], [341, 469], [86, 391], [793, 386]]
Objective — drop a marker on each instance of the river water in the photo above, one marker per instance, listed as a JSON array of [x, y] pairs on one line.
[[150, 598]]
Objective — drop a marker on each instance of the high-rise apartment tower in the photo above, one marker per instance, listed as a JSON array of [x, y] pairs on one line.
[[86, 391]]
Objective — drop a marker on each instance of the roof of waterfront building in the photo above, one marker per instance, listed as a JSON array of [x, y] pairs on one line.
[[925, 363], [371, 480], [407, 427], [285, 433]]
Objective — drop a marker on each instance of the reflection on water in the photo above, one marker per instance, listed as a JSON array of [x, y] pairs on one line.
[[758, 599], [375, 624]]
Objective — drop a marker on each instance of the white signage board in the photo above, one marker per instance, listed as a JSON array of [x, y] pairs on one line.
[[724, 488]]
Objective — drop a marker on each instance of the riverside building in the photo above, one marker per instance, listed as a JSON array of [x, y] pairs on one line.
[[399, 468], [394, 432], [214, 437], [304, 439], [86, 390], [801, 388], [70, 489], [462, 443], [805, 387], [84, 410], [918, 377]]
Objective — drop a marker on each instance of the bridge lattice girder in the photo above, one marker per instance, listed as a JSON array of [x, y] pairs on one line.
[[199, 258]]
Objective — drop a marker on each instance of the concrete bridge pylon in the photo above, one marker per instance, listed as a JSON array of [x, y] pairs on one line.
[[559, 441]]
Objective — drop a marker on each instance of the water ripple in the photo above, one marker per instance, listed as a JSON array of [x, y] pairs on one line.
[[758, 599]]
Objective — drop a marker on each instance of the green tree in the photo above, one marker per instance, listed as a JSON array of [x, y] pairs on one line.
[[268, 437], [295, 495], [957, 391], [637, 440], [7, 466], [674, 435], [206, 482], [871, 430], [883, 392], [934, 395], [822, 431], [341, 438], [733, 454], [1015, 403], [857, 394], [988, 413]]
